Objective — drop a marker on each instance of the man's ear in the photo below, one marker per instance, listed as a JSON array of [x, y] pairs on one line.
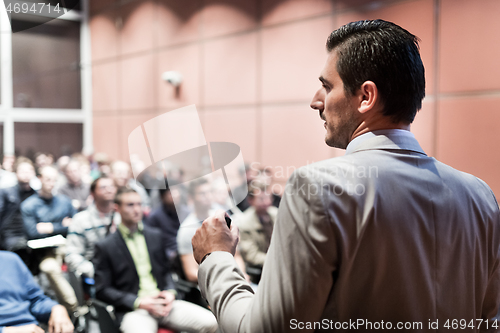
[[368, 96]]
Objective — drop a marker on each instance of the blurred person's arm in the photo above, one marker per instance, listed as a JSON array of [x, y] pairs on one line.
[[31, 328], [76, 247], [61, 228], [40, 305], [30, 220], [190, 267], [59, 321]]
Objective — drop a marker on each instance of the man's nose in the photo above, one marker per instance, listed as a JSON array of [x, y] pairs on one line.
[[317, 102]]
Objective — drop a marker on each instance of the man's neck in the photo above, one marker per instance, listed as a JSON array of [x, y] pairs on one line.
[[104, 207], [131, 226]]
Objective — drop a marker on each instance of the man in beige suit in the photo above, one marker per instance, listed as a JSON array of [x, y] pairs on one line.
[[383, 238]]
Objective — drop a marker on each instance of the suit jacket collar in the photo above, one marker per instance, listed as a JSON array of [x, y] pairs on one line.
[[386, 140]]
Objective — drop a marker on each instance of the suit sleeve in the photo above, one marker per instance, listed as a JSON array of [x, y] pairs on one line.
[[298, 273], [105, 291], [491, 303]]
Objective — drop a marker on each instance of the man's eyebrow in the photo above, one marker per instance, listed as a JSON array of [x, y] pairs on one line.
[[324, 81]]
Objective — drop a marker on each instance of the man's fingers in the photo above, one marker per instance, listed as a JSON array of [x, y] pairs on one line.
[[68, 328], [235, 231], [161, 301], [220, 216]]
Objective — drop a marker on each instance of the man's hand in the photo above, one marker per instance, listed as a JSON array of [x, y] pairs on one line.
[[45, 228], [66, 222], [59, 321], [32, 328], [214, 235], [156, 306], [169, 297]]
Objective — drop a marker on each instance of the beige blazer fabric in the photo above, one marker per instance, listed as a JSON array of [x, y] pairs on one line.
[[414, 241]]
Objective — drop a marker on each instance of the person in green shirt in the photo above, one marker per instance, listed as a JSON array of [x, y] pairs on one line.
[[132, 274]]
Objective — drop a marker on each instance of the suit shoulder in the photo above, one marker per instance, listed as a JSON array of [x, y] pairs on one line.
[[329, 169], [469, 184]]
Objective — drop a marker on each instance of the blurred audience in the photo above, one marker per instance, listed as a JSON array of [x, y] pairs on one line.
[[102, 167], [256, 227], [263, 176], [45, 215], [7, 179], [200, 192], [221, 198], [8, 162], [23, 304], [34, 208], [75, 188], [91, 226], [12, 234], [167, 219], [132, 274], [122, 175], [201, 195]]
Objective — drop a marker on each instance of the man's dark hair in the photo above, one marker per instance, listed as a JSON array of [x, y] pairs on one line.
[[195, 184], [94, 183], [386, 54], [121, 192]]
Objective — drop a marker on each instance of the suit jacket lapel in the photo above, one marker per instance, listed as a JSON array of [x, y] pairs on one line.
[[122, 246], [150, 245]]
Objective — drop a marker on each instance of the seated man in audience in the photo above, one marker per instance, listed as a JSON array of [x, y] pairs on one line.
[[75, 188], [12, 235], [132, 274], [47, 215], [167, 219], [91, 226], [23, 304], [200, 192], [122, 175], [256, 227]]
